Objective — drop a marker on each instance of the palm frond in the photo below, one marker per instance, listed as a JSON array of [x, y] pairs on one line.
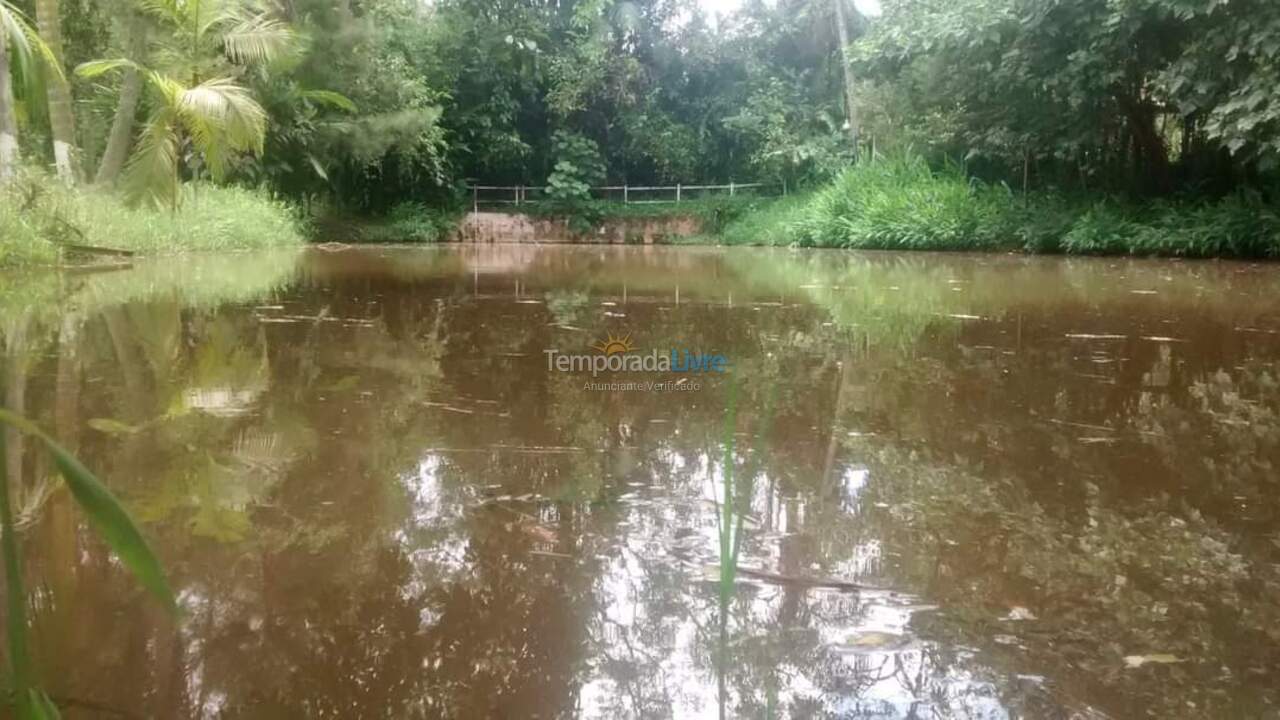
[[328, 97], [26, 44], [98, 68], [170, 10], [223, 119], [151, 175], [258, 39]]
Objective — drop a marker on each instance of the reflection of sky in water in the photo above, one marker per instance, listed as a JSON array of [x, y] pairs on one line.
[[433, 540], [653, 640]]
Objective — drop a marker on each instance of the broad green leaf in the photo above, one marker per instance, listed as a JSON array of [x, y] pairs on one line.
[[328, 97], [97, 68], [105, 513], [40, 707], [114, 524]]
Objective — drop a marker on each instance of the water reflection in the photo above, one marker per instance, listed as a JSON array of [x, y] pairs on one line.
[[948, 486]]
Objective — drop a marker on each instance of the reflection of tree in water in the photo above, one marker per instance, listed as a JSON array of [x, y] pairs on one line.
[[376, 500]]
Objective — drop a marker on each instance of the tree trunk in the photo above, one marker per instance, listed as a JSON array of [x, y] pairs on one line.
[[8, 120], [61, 115], [851, 109], [17, 357], [121, 137], [1150, 166]]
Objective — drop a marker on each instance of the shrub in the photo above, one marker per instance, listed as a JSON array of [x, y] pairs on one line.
[[1102, 230], [901, 203], [410, 222], [1235, 226], [578, 167]]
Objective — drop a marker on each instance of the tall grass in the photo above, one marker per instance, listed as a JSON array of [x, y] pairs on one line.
[[768, 223], [40, 217], [900, 203], [1236, 226]]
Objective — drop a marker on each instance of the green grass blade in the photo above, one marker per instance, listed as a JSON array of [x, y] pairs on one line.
[[728, 560], [114, 524], [40, 707], [106, 515]]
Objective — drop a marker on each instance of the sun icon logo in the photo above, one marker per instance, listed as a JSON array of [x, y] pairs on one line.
[[615, 344]]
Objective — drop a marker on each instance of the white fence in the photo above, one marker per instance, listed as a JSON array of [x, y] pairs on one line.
[[489, 195]]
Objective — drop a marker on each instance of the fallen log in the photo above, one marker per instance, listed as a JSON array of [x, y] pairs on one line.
[[95, 250]]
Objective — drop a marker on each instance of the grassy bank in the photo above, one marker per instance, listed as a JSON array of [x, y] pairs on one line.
[[40, 218], [902, 204]]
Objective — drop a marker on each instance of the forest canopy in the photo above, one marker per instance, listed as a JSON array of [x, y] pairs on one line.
[[370, 103]]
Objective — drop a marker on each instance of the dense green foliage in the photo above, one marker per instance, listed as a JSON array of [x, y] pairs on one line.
[[1145, 96], [1152, 110], [902, 204], [408, 222]]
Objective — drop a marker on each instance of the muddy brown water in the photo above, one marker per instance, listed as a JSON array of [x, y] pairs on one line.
[[926, 486]]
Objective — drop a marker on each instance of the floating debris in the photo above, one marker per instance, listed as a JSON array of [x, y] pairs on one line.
[[1137, 661], [1018, 613], [873, 641]]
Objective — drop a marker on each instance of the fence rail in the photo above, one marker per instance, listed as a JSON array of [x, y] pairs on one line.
[[648, 194]]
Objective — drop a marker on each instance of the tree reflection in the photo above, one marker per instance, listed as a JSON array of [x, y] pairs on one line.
[[376, 501]]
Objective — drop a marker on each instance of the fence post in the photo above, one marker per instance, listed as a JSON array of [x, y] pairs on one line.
[[625, 194], [784, 187], [517, 189], [475, 199], [677, 192], [730, 188]]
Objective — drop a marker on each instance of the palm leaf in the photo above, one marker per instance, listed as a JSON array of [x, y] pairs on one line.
[[315, 165], [170, 10], [151, 175], [328, 97], [258, 39], [26, 44], [105, 514], [223, 119], [98, 68]]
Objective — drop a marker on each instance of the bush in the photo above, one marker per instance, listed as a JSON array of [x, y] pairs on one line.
[[901, 203], [410, 222], [578, 167], [40, 217]]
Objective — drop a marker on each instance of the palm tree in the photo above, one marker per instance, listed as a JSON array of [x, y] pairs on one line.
[[61, 116], [120, 138], [218, 118], [18, 40]]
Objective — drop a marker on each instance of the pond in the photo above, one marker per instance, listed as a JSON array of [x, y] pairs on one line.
[[388, 483]]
